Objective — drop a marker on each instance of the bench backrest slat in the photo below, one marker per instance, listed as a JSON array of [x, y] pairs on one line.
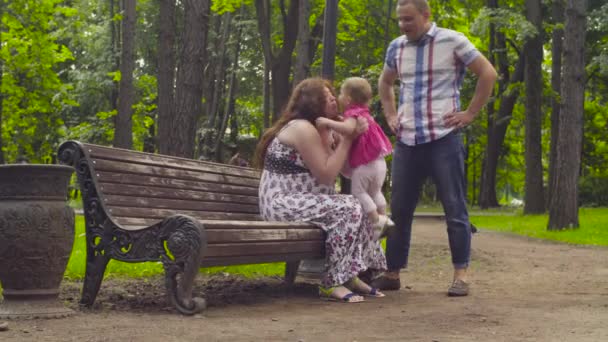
[[107, 177], [110, 153], [159, 214]]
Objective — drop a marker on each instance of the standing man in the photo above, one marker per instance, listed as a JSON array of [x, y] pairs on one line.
[[430, 63]]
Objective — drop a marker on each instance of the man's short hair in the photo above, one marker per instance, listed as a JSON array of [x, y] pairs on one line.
[[421, 5]]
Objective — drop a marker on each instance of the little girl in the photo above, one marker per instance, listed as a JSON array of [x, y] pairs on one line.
[[366, 157]]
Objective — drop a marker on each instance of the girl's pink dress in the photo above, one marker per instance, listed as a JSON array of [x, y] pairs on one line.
[[371, 144]]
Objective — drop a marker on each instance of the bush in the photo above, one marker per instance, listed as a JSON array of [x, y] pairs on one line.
[[593, 191]]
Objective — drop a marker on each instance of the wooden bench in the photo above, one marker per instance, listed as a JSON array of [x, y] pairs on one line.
[[185, 213]]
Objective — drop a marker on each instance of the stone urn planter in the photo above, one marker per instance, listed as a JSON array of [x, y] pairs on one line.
[[36, 238]]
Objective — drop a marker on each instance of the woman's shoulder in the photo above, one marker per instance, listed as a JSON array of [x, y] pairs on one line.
[[295, 131]]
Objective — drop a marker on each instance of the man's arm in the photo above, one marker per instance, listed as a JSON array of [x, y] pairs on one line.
[[387, 97], [486, 77]]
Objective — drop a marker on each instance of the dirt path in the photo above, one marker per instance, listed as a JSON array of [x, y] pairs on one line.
[[523, 290]]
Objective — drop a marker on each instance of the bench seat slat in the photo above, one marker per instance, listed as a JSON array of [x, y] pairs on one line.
[[113, 201], [120, 166], [256, 223], [164, 161], [262, 248], [121, 180], [248, 235], [160, 214], [154, 192], [258, 259]]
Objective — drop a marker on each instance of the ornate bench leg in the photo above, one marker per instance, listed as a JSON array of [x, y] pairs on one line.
[[184, 242], [291, 270], [96, 267]]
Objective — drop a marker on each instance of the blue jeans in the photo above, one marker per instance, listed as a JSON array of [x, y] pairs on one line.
[[443, 161]]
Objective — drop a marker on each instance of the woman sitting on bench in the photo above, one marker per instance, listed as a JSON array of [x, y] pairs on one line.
[[300, 165]]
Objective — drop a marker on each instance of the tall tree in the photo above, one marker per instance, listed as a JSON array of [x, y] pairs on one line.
[[557, 43], [166, 74], [563, 209], [302, 57], [534, 202], [123, 132], [279, 62], [189, 83]]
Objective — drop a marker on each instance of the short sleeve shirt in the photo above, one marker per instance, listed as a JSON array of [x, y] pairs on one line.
[[430, 71]]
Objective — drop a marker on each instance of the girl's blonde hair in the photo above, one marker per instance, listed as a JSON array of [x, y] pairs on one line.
[[357, 89]]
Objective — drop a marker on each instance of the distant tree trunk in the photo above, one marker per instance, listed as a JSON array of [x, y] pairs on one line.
[[189, 88], [563, 208], [114, 48], [534, 202], [487, 186], [280, 64], [166, 74], [266, 95], [2, 161], [388, 22], [302, 57], [218, 92], [229, 106], [1, 101], [123, 132], [556, 78]]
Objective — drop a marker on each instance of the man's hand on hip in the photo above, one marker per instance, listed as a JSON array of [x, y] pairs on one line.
[[458, 119]]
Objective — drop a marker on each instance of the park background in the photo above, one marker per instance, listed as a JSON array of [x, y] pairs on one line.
[[202, 79]]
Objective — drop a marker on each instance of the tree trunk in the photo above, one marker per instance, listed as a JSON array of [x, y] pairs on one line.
[[534, 202], [556, 78], [166, 74], [563, 209], [487, 186], [280, 65], [229, 107], [218, 90], [189, 89], [123, 132], [302, 58], [114, 47]]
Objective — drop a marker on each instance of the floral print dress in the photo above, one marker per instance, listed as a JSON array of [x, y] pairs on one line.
[[289, 192]]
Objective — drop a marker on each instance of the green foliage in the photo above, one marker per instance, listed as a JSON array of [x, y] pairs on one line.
[[598, 30], [222, 6], [506, 20], [32, 92]]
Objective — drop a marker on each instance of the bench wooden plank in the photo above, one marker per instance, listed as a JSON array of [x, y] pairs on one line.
[[125, 167], [258, 259], [106, 177], [159, 214], [108, 153], [262, 248], [187, 205], [168, 193], [256, 223]]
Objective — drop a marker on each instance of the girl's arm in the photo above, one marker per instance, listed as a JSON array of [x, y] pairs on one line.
[[346, 127]]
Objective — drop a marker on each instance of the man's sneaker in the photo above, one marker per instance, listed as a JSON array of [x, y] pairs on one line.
[[458, 289], [385, 283]]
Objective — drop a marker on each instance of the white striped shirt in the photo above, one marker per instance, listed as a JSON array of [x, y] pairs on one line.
[[431, 71]]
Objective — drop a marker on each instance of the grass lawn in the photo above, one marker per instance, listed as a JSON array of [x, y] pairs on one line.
[[593, 231], [593, 228]]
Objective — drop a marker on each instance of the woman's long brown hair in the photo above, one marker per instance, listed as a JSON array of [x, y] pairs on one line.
[[306, 102]]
